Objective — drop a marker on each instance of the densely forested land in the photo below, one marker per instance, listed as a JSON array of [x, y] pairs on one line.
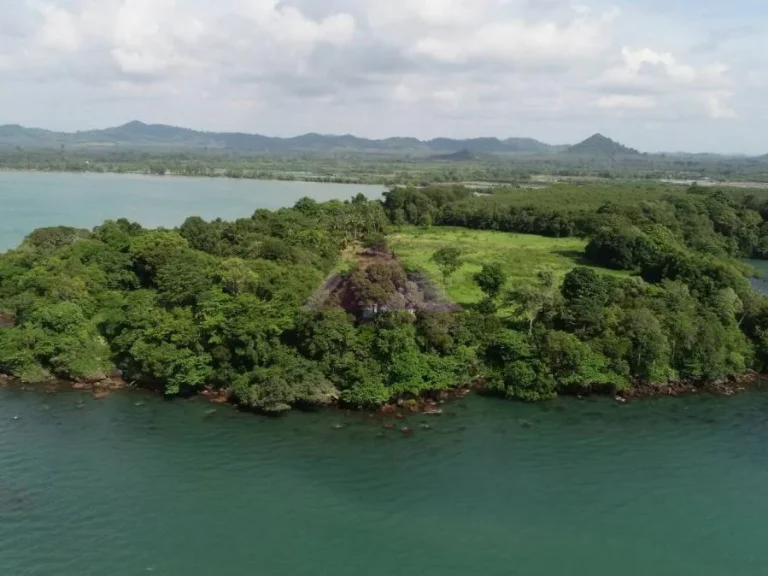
[[365, 167], [626, 285]]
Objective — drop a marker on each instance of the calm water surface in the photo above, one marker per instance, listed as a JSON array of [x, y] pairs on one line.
[[133, 485], [32, 200]]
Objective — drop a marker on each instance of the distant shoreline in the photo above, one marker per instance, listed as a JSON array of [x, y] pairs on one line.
[[271, 178], [281, 177]]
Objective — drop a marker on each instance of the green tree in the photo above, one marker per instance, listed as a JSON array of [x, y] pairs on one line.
[[448, 259], [491, 280], [185, 277], [375, 285], [153, 249], [649, 347], [531, 300]]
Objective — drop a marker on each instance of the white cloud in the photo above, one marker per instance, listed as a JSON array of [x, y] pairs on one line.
[[552, 69], [719, 107], [626, 102], [433, 13], [59, 30], [647, 68], [518, 42], [512, 40], [657, 82]]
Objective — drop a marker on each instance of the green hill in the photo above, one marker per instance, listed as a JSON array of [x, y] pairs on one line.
[[599, 145], [140, 135]]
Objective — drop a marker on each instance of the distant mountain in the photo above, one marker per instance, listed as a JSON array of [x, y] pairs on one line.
[[598, 145], [140, 135], [510, 145]]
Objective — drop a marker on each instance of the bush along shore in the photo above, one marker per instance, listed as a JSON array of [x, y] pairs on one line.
[[311, 306]]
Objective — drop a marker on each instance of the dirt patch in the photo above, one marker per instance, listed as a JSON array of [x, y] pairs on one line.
[[7, 320]]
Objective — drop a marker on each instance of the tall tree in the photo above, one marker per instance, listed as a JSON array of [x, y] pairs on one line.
[[491, 280], [448, 259], [531, 300]]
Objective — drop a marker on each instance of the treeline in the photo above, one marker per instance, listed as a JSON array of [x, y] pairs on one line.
[[703, 220], [339, 167], [602, 332], [376, 167]]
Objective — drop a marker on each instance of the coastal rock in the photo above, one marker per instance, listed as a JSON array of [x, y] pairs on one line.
[[684, 387], [216, 396]]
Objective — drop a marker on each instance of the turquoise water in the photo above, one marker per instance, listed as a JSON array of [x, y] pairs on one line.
[[33, 200], [135, 485]]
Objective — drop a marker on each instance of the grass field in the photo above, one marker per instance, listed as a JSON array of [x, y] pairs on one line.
[[522, 256]]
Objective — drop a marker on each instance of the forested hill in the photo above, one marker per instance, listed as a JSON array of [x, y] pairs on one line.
[[599, 145], [140, 135]]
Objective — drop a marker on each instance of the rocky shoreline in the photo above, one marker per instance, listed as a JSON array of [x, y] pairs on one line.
[[99, 389], [429, 404], [685, 387]]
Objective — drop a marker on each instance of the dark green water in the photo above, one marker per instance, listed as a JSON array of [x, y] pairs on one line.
[[111, 488], [33, 200]]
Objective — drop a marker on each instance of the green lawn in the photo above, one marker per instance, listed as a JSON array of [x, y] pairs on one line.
[[521, 255]]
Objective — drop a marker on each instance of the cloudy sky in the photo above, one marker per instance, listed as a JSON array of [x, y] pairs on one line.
[[654, 74]]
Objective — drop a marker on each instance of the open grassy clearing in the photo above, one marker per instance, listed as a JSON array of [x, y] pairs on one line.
[[521, 255]]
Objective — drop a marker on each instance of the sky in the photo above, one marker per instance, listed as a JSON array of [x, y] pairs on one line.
[[657, 75]]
